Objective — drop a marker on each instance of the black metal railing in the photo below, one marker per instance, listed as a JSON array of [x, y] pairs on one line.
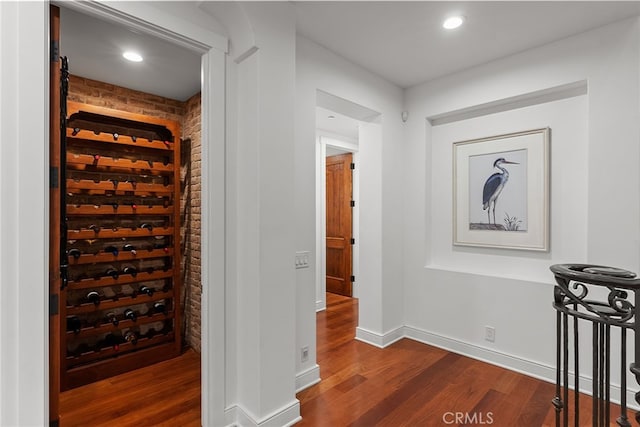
[[611, 314]]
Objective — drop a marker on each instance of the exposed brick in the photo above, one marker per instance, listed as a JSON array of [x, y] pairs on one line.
[[191, 131], [100, 85], [154, 98], [76, 98]]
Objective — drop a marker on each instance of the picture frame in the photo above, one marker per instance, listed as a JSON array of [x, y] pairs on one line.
[[501, 191]]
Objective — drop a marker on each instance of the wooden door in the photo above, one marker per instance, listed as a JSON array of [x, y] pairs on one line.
[[339, 224], [54, 218]]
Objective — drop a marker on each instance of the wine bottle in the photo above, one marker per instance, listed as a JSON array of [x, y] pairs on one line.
[[95, 228], [159, 307], [112, 249], [93, 297], [130, 248], [147, 290], [75, 253], [110, 340], [130, 314], [147, 226], [74, 324], [130, 270], [162, 246], [111, 317], [112, 272], [131, 337]]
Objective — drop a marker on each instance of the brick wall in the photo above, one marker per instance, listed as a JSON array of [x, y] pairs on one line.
[[188, 115], [190, 204], [119, 98]]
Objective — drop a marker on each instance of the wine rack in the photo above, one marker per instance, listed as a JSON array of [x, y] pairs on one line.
[[120, 302]]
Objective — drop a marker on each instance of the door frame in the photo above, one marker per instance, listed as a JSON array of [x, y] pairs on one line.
[[324, 140], [33, 205]]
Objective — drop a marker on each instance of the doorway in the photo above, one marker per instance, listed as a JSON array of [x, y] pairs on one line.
[[337, 233], [339, 223], [365, 143], [96, 92]]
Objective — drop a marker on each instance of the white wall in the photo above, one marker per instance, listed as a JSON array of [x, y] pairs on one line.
[[319, 69], [262, 198], [24, 115], [451, 293], [264, 175]]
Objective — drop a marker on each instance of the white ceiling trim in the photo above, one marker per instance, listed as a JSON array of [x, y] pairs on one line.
[[159, 25], [537, 97]]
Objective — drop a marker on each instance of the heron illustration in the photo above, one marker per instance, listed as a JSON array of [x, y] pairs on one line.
[[493, 187]]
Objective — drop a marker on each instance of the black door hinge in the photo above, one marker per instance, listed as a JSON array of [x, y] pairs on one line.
[[54, 50], [53, 177], [353, 166], [353, 279], [353, 203], [53, 304], [353, 241]]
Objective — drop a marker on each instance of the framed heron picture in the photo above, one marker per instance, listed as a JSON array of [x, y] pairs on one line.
[[501, 191]]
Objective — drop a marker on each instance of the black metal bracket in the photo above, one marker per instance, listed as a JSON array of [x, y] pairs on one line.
[[53, 304], [54, 50], [53, 177]]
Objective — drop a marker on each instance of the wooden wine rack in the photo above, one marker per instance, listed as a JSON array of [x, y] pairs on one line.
[[122, 205]]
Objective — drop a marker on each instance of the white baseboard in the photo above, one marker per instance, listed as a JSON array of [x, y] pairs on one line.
[[307, 378], [231, 416], [378, 340], [320, 306], [513, 363], [286, 416]]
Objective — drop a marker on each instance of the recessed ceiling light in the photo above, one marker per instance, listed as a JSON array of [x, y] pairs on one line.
[[132, 56], [453, 22], [331, 117]]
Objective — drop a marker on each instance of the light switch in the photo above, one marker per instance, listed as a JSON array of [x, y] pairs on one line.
[[302, 259]]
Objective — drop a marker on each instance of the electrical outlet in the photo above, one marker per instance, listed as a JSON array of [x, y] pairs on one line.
[[304, 354], [490, 333]]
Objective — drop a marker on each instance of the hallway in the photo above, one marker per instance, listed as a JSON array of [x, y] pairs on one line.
[[413, 384]]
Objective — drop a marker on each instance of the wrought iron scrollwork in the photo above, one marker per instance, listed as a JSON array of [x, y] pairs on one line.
[[572, 300]]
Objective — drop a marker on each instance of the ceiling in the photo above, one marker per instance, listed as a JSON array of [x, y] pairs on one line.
[[403, 42], [95, 48], [336, 123]]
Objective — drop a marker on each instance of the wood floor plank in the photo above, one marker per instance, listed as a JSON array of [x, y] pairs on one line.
[[167, 393], [415, 385]]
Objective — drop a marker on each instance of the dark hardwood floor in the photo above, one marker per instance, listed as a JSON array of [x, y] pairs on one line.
[[413, 384]]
